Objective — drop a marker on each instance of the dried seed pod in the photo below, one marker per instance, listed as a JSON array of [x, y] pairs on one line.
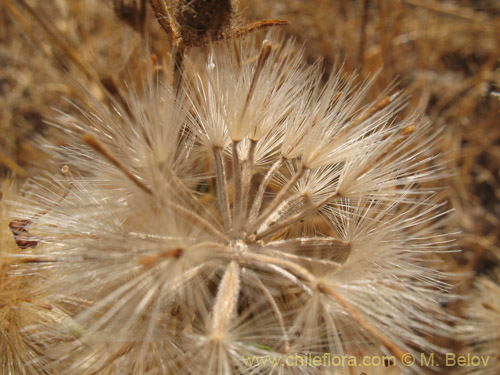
[[201, 20], [193, 22]]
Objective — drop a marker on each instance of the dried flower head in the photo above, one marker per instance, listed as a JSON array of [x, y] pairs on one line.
[[194, 22], [259, 215]]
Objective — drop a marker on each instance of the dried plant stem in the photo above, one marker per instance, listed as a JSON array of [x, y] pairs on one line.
[[256, 26], [449, 9], [92, 141], [302, 273], [239, 204], [303, 259], [360, 319], [277, 199], [259, 197], [178, 68], [164, 19], [12, 165], [97, 146], [106, 84], [222, 190], [247, 179], [264, 54], [378, 106], [294, 218], [149, 260], [333, 246], [225, 301], [289, 205], [309, 278], [21, 20], [238, 190], [60, 42]]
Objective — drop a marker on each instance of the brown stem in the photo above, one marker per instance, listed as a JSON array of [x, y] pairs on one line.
[[360, 319], [99, 147], [178, 68], [277, 199]]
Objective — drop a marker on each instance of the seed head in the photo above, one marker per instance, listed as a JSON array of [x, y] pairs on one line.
[[259, 214]]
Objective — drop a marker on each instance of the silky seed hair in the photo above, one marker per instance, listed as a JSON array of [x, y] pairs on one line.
[[255, 212], [23, 303], [480, 329]]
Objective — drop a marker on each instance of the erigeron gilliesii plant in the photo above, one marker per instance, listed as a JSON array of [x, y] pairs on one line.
[[255, 212]]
